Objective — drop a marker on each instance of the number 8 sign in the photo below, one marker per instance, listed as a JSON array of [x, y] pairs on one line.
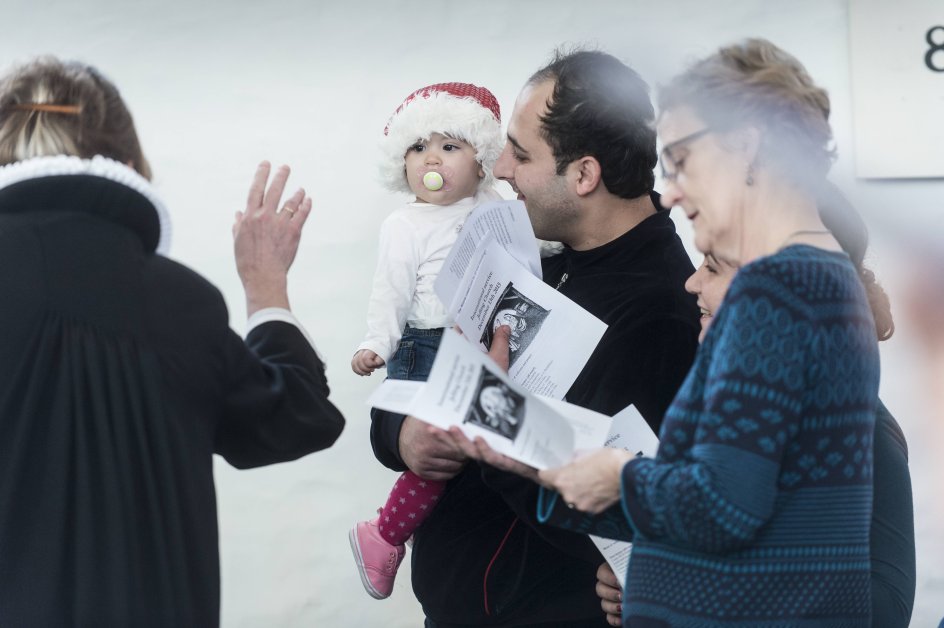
[[897, 62], [935, 47]]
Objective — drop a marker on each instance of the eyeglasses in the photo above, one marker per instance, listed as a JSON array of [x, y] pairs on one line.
[[666, 154]]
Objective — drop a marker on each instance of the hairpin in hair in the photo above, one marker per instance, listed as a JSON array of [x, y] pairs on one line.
[[48, 107]]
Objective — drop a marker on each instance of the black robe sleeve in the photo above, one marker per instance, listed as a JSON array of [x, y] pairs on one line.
[[276, 404]]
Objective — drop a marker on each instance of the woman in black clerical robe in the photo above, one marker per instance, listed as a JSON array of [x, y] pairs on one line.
[[119, 373]]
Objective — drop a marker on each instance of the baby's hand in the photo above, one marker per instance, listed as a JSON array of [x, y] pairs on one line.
[[366, 362]]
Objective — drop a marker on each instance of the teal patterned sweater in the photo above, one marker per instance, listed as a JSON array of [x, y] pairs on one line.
[[755, 511]]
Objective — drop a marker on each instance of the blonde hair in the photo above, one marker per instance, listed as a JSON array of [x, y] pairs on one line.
[[91, 119], [756, 83]]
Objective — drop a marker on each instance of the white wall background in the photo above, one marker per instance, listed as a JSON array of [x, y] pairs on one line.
[[217, 86]]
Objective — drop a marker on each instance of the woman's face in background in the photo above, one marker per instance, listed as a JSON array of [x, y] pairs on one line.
[[710, 283]]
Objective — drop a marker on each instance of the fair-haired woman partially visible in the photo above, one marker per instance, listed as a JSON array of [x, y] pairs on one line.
[[119, 374]]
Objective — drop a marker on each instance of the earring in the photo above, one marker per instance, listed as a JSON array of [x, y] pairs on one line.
[[750, 175]]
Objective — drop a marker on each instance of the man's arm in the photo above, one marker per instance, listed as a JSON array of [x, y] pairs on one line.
[[404, 442]]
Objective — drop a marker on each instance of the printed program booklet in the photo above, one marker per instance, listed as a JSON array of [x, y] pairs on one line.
[[492, 277], [467, 389]]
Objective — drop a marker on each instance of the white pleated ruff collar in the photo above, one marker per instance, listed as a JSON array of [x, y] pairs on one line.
[[98, 166]]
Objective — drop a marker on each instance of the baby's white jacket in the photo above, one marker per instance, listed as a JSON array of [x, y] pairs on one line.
[[414, 241]]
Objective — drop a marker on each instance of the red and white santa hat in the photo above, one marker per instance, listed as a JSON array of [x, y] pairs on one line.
[[460, 110]]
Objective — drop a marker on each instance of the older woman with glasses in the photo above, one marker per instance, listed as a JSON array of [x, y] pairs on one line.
[[891, 535], [756, 509]]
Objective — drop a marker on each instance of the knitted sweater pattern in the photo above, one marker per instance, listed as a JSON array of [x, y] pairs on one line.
[[756, 509]]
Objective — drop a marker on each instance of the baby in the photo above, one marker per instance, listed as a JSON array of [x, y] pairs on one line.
[[440, 146]]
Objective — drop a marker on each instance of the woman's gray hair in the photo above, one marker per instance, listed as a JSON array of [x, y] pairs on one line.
[[756, 83]]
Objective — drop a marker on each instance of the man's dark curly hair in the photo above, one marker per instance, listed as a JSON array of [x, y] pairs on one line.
[[600, 107]]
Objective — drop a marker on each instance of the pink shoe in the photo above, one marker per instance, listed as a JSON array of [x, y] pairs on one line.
[[377, 560]]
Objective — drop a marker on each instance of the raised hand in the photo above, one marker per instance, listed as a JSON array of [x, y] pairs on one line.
[[266, 237]]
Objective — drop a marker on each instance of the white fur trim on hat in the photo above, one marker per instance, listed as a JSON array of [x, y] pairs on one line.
[[462, 118]]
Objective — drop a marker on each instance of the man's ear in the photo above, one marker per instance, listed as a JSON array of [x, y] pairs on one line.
[[587, 175]]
